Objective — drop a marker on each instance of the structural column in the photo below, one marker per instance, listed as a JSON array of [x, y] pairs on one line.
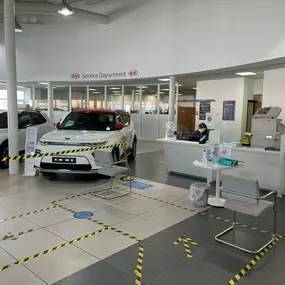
[[158, 110], [105, 97], [50, 101], [140, 111], [87, 98], [11, 77], [176, 102], [123, 99], [133, 100], [171, 102], [33, 97], [70, 99]]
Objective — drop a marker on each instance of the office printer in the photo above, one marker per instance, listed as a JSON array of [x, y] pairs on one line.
[[266, 128]]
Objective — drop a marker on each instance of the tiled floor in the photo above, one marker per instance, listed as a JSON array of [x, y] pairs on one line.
[[109, 257]]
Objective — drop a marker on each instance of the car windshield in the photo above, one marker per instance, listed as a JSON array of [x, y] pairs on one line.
[[88, 121], [3, 120]]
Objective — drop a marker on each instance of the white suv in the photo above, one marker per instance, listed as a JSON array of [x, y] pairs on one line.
[[85, 129], [26, 119]]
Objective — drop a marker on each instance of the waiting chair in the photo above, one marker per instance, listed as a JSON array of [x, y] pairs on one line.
[[243, 196], [104, 159]]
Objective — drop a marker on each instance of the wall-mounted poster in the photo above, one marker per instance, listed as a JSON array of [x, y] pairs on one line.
[[229, 110], [205, 107]]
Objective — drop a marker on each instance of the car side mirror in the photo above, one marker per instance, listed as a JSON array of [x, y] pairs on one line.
[[120, 126], [57, 124]]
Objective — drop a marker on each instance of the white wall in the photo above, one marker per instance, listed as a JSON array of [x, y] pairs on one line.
[[258, 86], [234, 89], [274, 90], [161, 37]]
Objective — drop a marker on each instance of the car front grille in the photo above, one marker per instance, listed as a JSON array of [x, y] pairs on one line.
[[71, 167]]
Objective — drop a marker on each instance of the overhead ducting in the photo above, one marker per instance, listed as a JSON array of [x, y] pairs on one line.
[[39, 8]]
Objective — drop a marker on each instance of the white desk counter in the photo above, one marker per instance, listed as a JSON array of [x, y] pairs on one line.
[[260, 164]]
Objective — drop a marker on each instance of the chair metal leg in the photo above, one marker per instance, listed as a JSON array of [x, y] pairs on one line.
[[217, 237]]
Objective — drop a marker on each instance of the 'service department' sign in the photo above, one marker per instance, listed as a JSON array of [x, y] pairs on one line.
[[102, 75]]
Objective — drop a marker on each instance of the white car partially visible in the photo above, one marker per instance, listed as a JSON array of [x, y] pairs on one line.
[[25, 119], [86, 129]]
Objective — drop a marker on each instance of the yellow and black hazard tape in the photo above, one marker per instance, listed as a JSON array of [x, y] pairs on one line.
[[38, 155], [9, 236], [29, 213], [139, 268], [21, 261], [252, 263], [67, 209], [203, 213]]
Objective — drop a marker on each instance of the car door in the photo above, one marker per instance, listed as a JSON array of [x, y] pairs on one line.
[[25, 121]]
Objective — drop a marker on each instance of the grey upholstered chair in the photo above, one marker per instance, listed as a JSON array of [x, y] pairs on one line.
[[243, 196]]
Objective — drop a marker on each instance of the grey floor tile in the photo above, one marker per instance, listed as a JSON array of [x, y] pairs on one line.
[[99, 273], [154, 262]]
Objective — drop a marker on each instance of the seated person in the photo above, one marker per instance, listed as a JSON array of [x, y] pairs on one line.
[[201, 135]]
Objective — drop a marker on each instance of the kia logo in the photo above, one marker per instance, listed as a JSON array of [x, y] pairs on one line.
[[75, 75], [133, 73]]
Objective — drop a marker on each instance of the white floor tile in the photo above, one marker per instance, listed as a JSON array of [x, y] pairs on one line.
[[74, 228], [167, 216], [113, 202], [32, 243], [110, 215], [59, 264], [19, 275], [29, 206], [175, 191], [50, 217], [5, 259], [140, 227], [138, 206], [6, 213], [105, 244], [82, 204], [15, 226]]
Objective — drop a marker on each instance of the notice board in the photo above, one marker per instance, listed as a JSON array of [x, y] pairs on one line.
[[205, 107], [229, 110]]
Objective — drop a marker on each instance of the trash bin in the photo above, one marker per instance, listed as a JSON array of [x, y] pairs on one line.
[[198, 194]]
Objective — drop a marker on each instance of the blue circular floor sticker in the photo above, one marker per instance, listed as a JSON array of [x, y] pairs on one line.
[[83, 215]]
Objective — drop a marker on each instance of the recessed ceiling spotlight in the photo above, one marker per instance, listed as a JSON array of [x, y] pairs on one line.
[[142, 86], [92, 89], [65, 9], [245, 73], [43, 83], [115, 88], [195, 88], [164, 79], [165, 89], [96, 92]]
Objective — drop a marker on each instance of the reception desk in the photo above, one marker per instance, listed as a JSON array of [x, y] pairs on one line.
[[264, 166]]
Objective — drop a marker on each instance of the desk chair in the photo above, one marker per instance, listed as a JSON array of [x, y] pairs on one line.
[[243, 196]]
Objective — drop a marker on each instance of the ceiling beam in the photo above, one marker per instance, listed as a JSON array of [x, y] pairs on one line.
[[38, 8]]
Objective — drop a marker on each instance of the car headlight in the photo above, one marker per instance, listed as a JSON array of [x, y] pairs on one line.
[[43, 143]]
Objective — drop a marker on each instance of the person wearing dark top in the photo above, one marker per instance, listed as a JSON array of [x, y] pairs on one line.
[[201, 135]]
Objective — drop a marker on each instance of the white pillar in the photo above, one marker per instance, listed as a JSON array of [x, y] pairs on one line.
[[140, 111], [176, 103], [123, 99], [70, 99], [87, 98], [33, 97], [50, 101], [11, 77], [158, 110], [133, 100], [171, 101], [105, 97]]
